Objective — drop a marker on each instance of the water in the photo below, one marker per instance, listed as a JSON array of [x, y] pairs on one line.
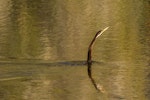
[[43, 49]]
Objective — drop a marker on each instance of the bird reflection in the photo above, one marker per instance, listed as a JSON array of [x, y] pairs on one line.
[[98, 87]]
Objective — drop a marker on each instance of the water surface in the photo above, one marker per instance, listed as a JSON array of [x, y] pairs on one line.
[[43, 49]]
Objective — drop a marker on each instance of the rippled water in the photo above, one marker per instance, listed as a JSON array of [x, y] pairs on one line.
[[43, 49]]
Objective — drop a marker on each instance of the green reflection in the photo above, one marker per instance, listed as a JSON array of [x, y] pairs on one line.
[[56, 30]]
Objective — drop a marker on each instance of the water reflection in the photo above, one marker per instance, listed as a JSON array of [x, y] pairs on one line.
[[35, 35], [97, 86]]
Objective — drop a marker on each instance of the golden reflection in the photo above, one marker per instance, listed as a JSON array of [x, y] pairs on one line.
[[61, 30]]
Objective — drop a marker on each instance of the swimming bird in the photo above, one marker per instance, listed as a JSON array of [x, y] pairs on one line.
[[89, 56]]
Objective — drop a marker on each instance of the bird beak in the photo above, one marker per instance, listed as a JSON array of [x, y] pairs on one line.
[[102, 31]]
